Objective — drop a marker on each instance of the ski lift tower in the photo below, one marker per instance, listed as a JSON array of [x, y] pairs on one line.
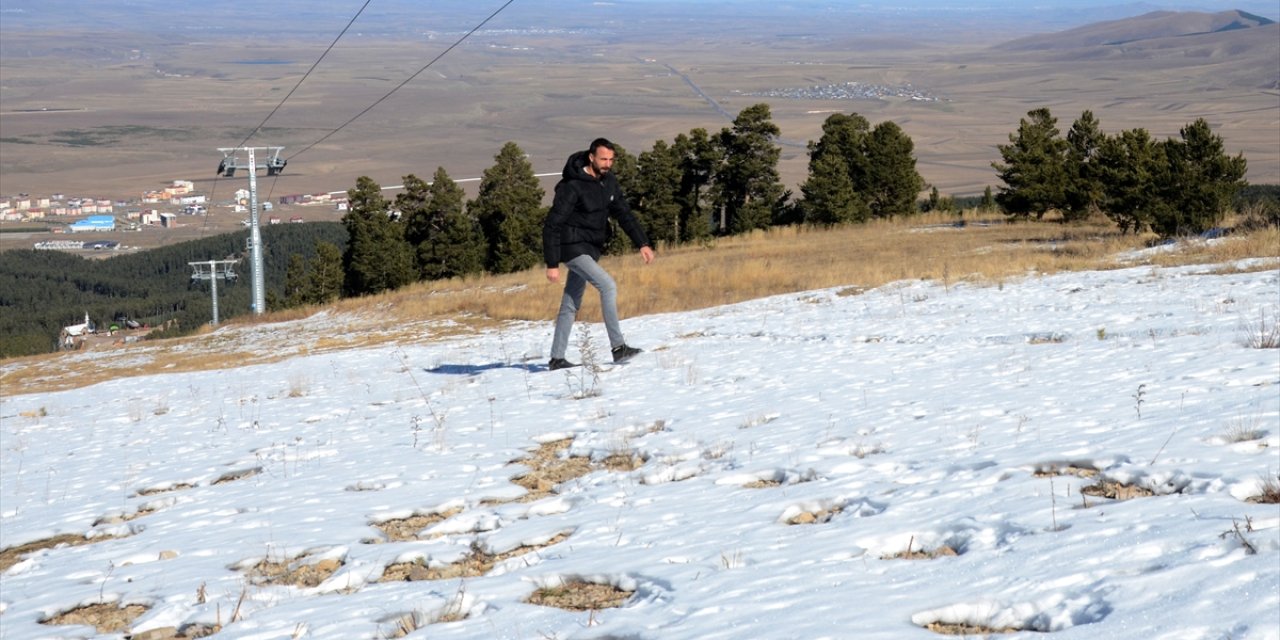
[[274, 164], [213, 270]]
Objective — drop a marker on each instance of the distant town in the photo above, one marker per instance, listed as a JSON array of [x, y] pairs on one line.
[[850, 91], [163, 208]]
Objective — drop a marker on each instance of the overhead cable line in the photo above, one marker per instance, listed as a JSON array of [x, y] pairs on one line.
[[305, 75], [406, 80], [213, 188]]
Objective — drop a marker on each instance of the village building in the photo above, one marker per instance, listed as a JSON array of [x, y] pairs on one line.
[[93, 223]]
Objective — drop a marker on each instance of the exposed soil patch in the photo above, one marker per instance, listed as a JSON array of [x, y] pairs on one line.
[[121, 518], [1066, 470], [293, 573], [408, 528], [622, 462], [185, 633], [181, 486], [580, 596], [106, 618], [11, 556], [913, 553], [477, 563], [815, 517], [763, 484], [1116, 490], [948, 629], [232, 476], [547, 469]]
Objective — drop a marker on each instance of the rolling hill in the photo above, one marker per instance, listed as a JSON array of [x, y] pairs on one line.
[[1154, 26]]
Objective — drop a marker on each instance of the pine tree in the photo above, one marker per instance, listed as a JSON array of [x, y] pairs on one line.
[[1130, 165], [653, 199], [295, 281], [324, 274], [846, 136], [934, 201], [988, 203], [455, 245], [749, 192], [377, 258], [892, 182], [1202, 181], [697, 157], [509, 208], [827, 196], [1083, 188], [414, 204], [1034, 169]]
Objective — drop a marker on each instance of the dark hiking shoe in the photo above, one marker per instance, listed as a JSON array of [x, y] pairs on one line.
[[623, 352], [559, 363]]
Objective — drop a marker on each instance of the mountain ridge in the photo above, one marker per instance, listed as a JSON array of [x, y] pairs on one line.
[[1155, 25]]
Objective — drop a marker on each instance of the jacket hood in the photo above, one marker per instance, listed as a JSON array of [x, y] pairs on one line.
[[575, 168]]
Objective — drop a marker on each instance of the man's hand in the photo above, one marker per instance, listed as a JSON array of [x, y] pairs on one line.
[[646, 252], [553, 274]]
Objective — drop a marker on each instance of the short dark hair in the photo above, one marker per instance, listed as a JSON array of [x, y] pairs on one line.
[[600, 142]]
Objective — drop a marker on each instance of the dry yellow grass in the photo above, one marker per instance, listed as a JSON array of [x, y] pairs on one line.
[[985, 251]]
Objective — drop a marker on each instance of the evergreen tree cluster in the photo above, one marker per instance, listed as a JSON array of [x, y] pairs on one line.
[[43, 291], [1172, 187], [688, 190]]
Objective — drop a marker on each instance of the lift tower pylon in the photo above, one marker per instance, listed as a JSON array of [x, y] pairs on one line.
[[213, 270], [274, 164]]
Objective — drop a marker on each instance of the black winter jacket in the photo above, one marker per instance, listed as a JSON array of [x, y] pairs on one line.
[[578, 223]]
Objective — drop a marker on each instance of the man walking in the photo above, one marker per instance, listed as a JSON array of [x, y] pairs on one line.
[[576, 232]]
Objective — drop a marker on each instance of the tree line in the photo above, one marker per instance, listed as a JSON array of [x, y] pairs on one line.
[[690, 189], [1177, 186]]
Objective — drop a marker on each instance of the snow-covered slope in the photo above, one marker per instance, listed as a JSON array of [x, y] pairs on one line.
[[774, 456]]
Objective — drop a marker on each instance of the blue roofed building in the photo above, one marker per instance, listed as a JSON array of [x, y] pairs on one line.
[[93, 223]]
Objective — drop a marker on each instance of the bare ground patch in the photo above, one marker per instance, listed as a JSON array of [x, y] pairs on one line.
[[624, 461], [187, 632], [144, 510], [950, 629], [402, 529], [548, 468], [151, 491], [818, 516], [1113, 490], [477, 563], [106, 618], [1078, 470], [11, 556], [239, 474], [921, 553], [579, 595], [296, 572]]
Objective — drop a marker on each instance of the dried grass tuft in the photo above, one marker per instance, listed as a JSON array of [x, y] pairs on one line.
[[580, 595]]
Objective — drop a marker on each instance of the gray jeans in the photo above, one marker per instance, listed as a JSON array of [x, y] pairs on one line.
[[582, 270]]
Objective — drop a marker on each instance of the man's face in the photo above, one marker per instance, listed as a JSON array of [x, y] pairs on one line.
[[601, 161]]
